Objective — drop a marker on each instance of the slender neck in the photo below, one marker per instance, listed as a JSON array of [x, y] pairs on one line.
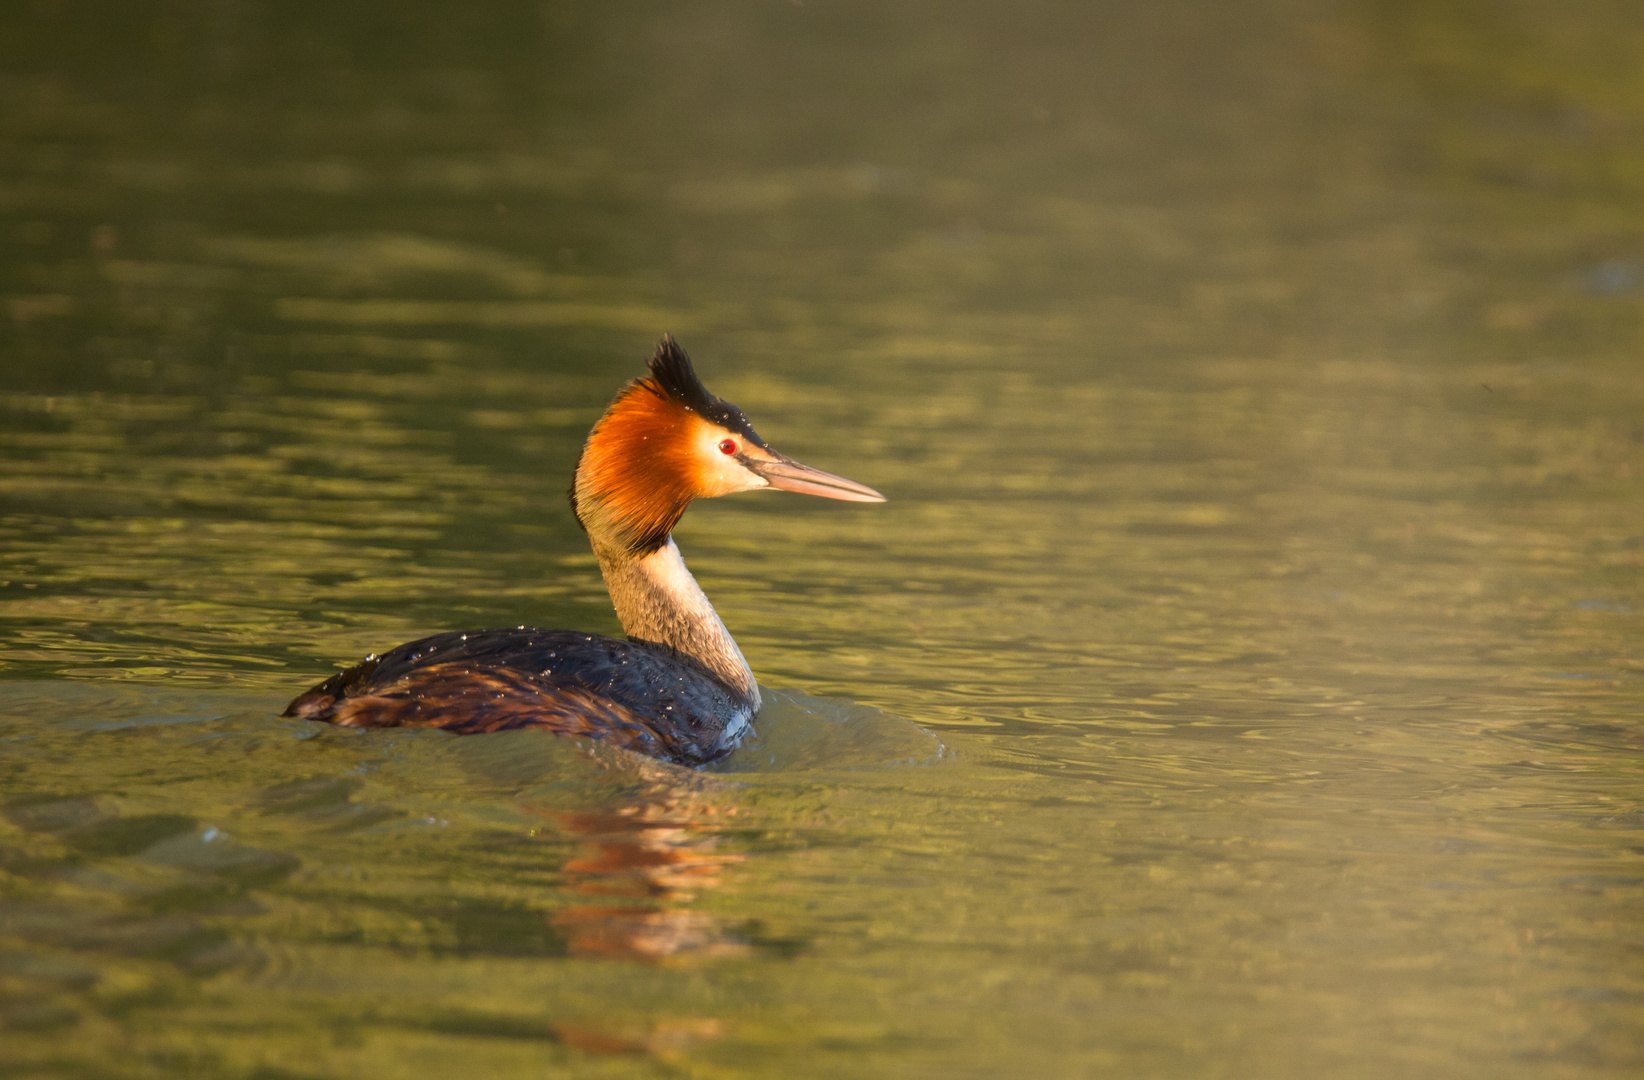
[[660, 603]]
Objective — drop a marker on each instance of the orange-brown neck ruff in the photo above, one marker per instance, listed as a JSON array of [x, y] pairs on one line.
[[638, 470], [636, 475]]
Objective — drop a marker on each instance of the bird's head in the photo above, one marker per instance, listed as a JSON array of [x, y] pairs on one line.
[[665, 440]]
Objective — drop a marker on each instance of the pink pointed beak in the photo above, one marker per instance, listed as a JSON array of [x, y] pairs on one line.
[[790, 475]]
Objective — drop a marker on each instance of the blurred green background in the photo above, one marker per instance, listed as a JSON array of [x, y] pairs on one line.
[[1248, 656]]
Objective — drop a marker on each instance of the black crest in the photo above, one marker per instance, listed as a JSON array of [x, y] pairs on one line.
[[672, 371]]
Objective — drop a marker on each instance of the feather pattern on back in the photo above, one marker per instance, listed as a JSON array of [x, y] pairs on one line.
[[631, 694]]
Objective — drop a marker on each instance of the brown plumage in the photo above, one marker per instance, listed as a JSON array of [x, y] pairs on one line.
[[588, 685], [636, 474], [469, 702], [654, 451], [678, 688]]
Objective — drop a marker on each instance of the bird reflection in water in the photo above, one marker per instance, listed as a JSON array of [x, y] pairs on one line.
[[641, 864]]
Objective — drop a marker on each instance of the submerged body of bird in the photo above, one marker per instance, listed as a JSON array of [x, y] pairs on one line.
[[678, 688]]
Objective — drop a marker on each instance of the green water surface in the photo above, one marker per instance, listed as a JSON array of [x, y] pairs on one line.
[[1246, 668]]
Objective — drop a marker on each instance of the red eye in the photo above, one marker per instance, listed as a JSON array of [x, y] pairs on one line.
[[727, 446]]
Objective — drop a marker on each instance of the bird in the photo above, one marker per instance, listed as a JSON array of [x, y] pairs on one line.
[[678, 688]]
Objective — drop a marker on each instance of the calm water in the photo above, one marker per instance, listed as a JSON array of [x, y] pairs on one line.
[[1246, 670]]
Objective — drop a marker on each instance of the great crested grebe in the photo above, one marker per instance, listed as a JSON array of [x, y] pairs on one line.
[[678, 688]]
